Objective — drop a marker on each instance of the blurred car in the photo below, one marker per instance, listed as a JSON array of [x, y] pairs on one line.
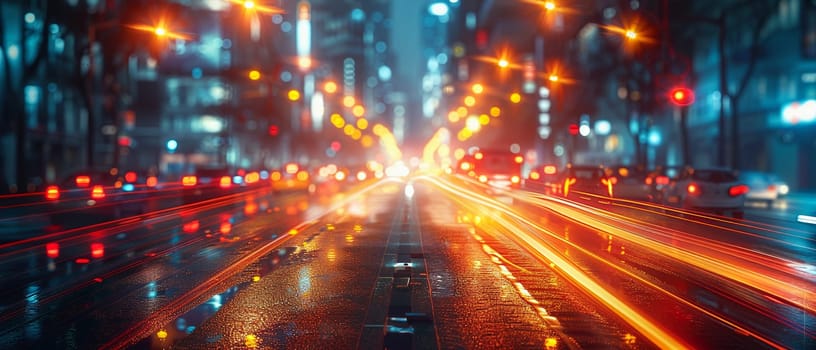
[[498, 169], [586, 178], [544, 178], [708, 189], [208, 183], [660, 178], [629, 182], [762, 187], [292, 177], [98, 192]]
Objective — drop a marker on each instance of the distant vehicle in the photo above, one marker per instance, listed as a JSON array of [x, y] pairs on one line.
[[714, 189], [586, 178], [544, 177], [98, 192], [292, 177], [660, 178], [762, 187], [629, 182], [498, 169], [782, 188], [208, 183]]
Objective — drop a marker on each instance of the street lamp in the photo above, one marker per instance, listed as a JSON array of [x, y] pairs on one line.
[[160, 31]]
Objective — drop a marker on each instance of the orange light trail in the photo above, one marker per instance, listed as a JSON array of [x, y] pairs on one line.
[[778, 277], [639, 321]]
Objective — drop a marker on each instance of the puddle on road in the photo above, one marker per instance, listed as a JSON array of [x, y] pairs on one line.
[[186, 324]]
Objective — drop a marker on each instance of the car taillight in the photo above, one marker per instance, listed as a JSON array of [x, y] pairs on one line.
[[152, 181], [131, 176], [52, 193], [52, 250], [190, 180], [251, 178], [225, 182], [693, 189], [550, 169], [83, 181], [97, 250], [98, 192], [518, 159], [515, 179], [534, 175], [662, 180], [738, 190]]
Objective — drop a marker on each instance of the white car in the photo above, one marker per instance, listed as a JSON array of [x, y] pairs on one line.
[[715, 189], [762, 187]]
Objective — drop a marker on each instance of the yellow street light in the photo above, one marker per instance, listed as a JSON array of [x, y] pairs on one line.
[[159, 30], [254, 6], [553, 77], [358, 111], [503, 63], [349, 101], [472, 123], [362, 124], [293, 95], [470, 101], [549, 5], [254, 74], [515, 97], [330, 87], [477, 88]]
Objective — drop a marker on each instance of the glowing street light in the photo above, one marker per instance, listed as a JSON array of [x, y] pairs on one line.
[[549, 5], [254, 74], [503, 63], [254, 6], [472, 123], [553, 78], [160, 31], [477, 88], [293, 95], [330, 87], [515, 97], [631, 34]]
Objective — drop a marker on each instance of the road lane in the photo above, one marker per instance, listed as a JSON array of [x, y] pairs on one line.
[[347, 285]]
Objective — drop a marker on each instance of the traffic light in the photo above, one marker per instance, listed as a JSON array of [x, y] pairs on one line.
[[681, 96], [273, 130]]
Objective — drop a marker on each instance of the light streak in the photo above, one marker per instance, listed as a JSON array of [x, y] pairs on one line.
[[651, 330], [780, 278]]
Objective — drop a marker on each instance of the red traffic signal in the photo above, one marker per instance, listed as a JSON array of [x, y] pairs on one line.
[[573, 129], [273, 130], [681, 96]]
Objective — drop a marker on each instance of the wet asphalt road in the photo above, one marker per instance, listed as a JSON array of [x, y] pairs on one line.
[[374, 268]]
